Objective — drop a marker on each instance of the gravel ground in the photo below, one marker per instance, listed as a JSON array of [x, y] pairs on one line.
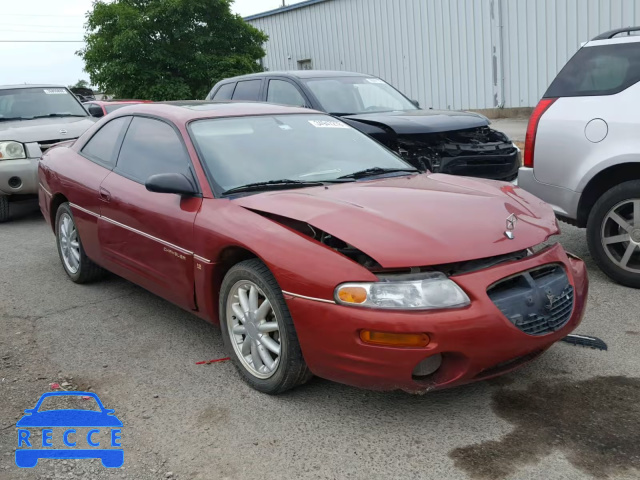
[[572, 414]]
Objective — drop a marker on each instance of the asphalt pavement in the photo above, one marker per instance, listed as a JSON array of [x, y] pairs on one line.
[[572, 414]]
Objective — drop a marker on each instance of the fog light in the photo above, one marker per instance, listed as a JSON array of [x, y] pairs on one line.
[[395, 339], [15, 182], [428, 366]]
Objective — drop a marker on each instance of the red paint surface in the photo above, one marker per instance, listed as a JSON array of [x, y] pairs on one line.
[[401, 222]]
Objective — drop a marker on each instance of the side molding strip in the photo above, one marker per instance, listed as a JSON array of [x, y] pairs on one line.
[[308, 298]]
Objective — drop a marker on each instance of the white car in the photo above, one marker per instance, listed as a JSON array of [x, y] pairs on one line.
[[582, 150]]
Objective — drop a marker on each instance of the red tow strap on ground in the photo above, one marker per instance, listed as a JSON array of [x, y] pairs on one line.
[[208, 362]]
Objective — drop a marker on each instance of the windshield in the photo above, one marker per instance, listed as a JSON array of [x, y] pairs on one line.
[[27, 103], [304, 148], [354, 95]]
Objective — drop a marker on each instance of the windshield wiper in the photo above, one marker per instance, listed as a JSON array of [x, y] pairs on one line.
[[57, 115], [272, 184], [11, 119], [370, 172]]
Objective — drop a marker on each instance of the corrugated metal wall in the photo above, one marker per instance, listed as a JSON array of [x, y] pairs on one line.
[[448, 54]]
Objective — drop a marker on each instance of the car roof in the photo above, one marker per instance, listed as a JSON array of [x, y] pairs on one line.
[[25, 85], [300, 74], [116, 102], [187, 110]]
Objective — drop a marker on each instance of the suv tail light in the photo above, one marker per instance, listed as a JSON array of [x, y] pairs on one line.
[[532, 129]]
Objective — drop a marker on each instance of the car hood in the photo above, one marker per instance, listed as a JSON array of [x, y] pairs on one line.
[[420, 220], [45, 129], [69, 418], [411, 122]]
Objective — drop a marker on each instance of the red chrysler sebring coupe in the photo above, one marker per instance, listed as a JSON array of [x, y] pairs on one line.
[[317, 250]]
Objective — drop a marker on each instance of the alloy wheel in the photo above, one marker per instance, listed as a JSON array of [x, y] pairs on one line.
[[69, 243], [254, 329], [620, 235]]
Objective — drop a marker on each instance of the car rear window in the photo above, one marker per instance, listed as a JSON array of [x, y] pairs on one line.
[[248, 90], [599, 70], [224, 92]]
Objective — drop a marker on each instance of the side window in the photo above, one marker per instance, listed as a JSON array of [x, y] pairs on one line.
[[102, 146], [285, 93], [151, 147], [248, 90], [224, 92], [598, 70]]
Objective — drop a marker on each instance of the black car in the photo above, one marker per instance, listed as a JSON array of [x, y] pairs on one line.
[[458, 143]]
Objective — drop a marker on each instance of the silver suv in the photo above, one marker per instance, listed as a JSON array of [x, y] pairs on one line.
[[32, 118], [582, 150]]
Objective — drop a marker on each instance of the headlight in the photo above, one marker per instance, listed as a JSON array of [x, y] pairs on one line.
[[11, 151], [426, 291]]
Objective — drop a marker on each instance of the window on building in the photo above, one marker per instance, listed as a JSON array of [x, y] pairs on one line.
[[248, 90], [306, 64], [285, 93]]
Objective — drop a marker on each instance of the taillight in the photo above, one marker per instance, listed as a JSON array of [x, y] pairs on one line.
[[532, 129]]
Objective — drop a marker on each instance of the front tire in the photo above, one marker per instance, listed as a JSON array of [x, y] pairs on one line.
[[613, 233], [74, 260], [258, 331], [4, 208]]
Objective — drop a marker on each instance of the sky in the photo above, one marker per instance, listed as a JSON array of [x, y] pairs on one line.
[[62, 20]]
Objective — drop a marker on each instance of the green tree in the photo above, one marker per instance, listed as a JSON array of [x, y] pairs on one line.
[[167, 49], [80, 84]]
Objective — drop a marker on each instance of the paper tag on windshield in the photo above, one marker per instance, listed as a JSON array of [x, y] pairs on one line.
[[374, 80], [327, 124], [55, 91]]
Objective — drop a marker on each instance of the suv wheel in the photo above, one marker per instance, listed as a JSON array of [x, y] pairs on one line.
[[258, 331], [613, 233], [4, 208]]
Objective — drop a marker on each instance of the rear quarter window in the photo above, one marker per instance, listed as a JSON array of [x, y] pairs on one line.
[[248, 90], [598, 70], [224, 92]]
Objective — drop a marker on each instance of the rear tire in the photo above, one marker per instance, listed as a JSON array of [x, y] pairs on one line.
[[613, 233], [271, 365], [79, 267], [4, 208]]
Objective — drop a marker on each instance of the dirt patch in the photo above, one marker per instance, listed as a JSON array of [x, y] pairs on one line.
[[595, 423], [632, 332]]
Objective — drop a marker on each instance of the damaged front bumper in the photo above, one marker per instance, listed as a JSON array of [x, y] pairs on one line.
[[478, 152], [473, 343]]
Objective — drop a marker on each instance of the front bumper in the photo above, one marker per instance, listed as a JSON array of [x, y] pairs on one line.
[[563, 200], [476, 342], [26, 170]]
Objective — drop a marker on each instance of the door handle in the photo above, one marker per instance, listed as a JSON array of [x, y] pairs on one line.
[[104, 194]]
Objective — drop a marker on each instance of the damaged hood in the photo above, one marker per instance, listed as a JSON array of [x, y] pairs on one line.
[[420, 220], [411, 122]]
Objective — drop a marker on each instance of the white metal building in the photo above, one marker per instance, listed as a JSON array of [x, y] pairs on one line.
[[448, 54]]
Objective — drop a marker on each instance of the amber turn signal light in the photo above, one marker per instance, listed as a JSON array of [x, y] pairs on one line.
[[395, 339], [353, 294]]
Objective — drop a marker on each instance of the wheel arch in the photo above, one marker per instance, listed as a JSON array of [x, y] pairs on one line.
[[57, 200], [225, 261], [602, 182]]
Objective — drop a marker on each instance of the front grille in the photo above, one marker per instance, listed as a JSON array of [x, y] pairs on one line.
[[46, 145], [537, 302]]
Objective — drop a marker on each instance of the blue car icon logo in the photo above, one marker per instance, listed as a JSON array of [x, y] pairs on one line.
[[102, 426]]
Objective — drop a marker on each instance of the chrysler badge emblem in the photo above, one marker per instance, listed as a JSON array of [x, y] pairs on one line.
[[511, 226]]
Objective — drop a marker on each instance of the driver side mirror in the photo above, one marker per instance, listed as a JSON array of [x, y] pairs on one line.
[[175, 183], [95, 111], [416, 103]]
